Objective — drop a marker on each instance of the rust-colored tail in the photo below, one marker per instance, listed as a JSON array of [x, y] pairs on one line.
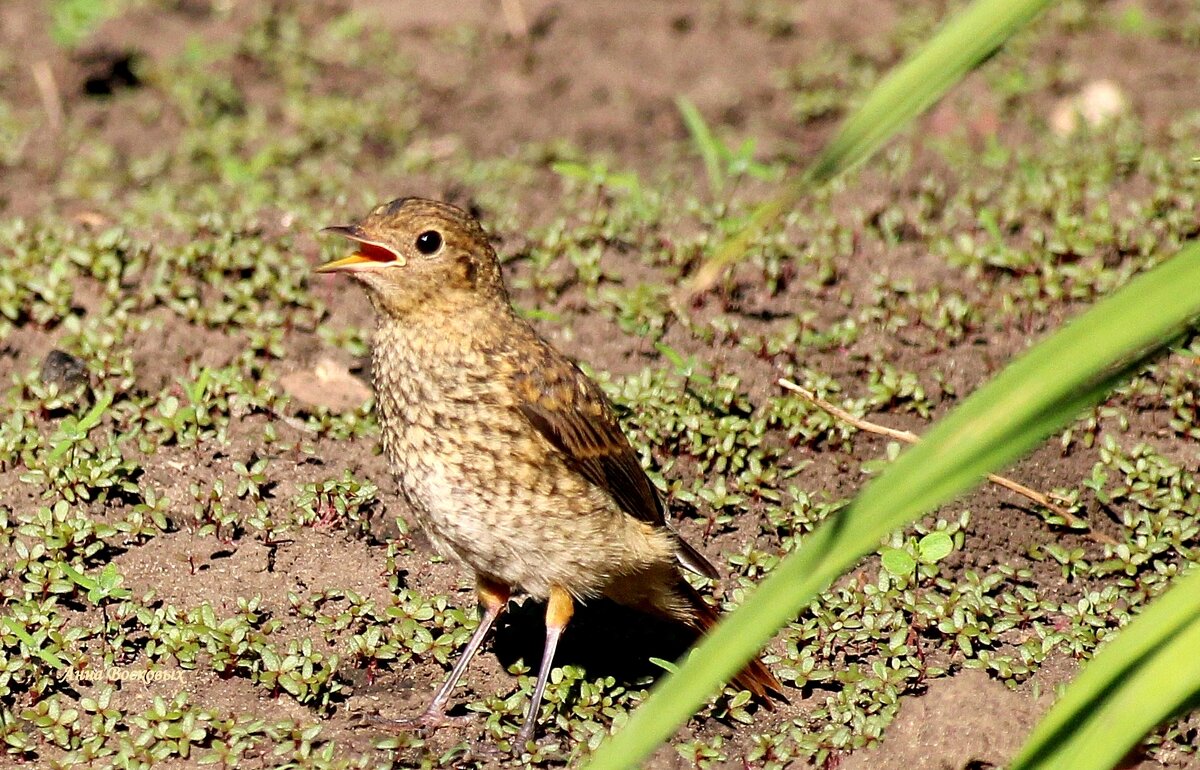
[[755, 677]]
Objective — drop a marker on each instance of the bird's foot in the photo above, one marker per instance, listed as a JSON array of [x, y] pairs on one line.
[[526, 739], [529, 744]]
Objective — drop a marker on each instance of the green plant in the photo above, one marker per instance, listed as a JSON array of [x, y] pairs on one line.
[[1143, 676], [930, 549], [722, 162], [103, 587], [73, 20]]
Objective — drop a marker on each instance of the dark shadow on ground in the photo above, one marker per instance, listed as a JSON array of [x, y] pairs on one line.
[[603, 638]]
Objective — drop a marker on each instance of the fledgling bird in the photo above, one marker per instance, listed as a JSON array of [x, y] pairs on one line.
[[509, 456]]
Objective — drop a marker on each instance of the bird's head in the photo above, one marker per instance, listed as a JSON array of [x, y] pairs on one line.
[[413, 253]]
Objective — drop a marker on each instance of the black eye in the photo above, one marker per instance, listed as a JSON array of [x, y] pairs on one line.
[[429, 241]]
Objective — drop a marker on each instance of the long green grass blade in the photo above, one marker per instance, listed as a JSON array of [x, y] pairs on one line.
[[967, 39], [1044, 389], [706, 143], [1146, 674]]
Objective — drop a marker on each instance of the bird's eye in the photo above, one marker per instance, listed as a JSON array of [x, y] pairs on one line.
[[429, 241]]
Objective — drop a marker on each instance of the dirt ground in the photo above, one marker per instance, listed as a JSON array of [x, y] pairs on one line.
[[486, 105]]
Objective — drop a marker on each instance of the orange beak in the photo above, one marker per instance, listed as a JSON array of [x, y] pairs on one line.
[[371, 255]]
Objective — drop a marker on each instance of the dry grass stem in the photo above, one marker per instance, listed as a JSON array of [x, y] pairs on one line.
[[909, 437], [47, 86]]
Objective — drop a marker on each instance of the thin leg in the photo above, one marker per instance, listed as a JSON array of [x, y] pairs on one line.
[[493, 598], [558, 614]]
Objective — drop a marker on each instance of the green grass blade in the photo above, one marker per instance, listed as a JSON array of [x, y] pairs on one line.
[[1044, 389], [96, 413], [1146, 674], [967, 39], [77, 577], [706, 143]]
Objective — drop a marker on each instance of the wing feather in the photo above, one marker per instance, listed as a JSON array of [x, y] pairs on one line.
[[574, 415]]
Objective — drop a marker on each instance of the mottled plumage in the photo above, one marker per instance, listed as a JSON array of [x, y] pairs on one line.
[[510, 457]]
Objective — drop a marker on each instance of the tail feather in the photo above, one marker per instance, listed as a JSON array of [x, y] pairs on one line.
[[755, 677]]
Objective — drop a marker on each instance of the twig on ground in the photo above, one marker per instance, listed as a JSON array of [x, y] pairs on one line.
[[47, 86], [911, 438]]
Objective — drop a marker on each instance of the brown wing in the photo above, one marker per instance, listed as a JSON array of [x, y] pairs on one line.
[[575, 417]]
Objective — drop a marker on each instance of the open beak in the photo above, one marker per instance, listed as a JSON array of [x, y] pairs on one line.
[[371, 255]]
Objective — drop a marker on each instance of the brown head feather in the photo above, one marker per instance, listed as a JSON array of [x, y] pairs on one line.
[[463, 268]]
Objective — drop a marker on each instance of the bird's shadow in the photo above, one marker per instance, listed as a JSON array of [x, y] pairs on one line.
[[603, 638]]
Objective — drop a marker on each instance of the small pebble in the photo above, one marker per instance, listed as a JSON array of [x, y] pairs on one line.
[[64, 370], [70, 374], [1097, 103]]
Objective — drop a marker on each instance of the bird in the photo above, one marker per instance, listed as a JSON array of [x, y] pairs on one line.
[[510, 457]]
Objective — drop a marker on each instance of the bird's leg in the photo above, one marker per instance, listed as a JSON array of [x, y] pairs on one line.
[[558, 613], [493, 598]]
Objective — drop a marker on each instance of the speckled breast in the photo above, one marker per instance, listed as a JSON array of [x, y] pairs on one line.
[[488, 489]]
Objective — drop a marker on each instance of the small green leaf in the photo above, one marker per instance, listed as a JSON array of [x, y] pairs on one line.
[[94, 415], [706, 144], [665, 665], [934, 547], [898, 563], [78, 577]]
